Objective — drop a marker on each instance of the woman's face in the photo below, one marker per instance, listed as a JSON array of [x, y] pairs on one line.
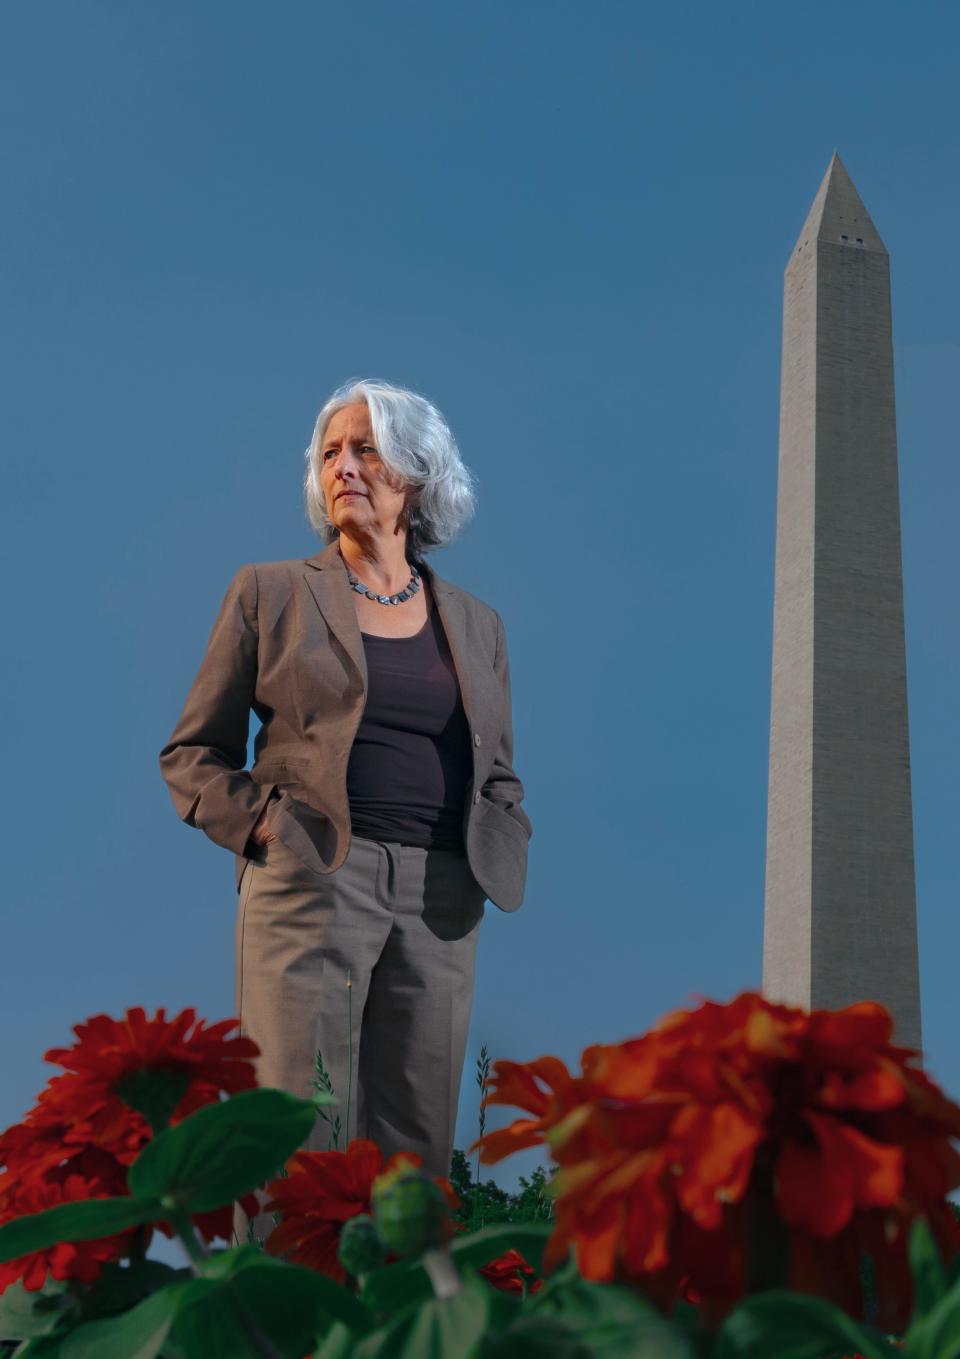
[[360, 493]]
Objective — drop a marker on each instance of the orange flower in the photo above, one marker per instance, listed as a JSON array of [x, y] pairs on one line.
[[321, 1191], [690, 1157], [505, 1273], [522, 1085]]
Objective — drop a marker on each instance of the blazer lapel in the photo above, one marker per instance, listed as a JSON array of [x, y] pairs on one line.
[[327, 579], [453, 618], [329, 586]]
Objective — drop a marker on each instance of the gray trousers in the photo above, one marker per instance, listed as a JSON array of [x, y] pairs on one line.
[[397, 925]]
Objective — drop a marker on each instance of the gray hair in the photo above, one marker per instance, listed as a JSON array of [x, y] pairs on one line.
[[415, 443]]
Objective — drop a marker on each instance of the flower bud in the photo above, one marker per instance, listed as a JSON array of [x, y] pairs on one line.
[[411, 1212], [359, 1249]]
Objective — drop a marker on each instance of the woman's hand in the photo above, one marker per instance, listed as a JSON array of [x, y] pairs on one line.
[[260, 835]]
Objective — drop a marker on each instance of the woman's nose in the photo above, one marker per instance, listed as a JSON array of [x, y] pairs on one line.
[[345, 461]]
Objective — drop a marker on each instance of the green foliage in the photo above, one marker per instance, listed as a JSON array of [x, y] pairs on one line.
[[323, 1097], [139, 1333], [792, 1326], [391, 1287], [481, 1076], [44, 1347], [242, 1304], [257, 1306], [122, 1286], [245, 1304], [67, 1310], [610, 1321], [537, 1337], [221, 1151], [24, 1315], [485, 1203], [931, 1281], [86, 1221], [934, 1331], [451, 1328]]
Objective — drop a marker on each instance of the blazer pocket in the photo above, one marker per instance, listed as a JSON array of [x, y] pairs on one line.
[[281, 770], [495, 818]]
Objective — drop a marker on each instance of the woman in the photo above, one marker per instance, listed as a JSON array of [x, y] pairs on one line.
[[381, 809]]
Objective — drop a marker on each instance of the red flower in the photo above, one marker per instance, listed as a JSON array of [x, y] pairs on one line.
[[732, 1132], [322, 1191], [105, 1070], [504, 1273], [45, 1142], [91, 1122], [80, 1260]]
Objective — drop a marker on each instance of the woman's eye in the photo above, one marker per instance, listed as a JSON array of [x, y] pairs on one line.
[[364, 448]]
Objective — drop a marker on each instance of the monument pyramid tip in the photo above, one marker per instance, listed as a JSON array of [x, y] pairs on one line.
[[838, 214]]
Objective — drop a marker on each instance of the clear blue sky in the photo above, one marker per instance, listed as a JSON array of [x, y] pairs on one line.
[[565, 223]]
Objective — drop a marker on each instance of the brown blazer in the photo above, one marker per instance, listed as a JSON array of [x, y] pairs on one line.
[[287, 644]]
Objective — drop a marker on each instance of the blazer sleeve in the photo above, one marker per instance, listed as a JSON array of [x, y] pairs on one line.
[[203, 761], [502, 785]]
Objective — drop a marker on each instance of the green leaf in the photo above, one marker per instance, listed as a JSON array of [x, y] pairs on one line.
[[929, 1275], [479, 1248], [44, 1347], [122, 1285], [223, 1264], [24, 1314], [394, 1286], [86, 1221], [314, 1287], [270, 1286], [286, 1305], [937, 1335], [503, 1308], [541, 1337], [613, 1321], [209, 1324], [223, 1150], [338, 1343], [794, 1326], [434, 1329], [137, 1334]]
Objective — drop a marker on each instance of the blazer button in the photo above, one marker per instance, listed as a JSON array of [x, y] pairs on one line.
[[476, 797], [476, 738]]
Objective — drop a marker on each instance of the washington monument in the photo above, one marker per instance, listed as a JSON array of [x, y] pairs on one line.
[[840, 916]]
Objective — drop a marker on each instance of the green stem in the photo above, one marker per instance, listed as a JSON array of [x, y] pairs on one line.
[[138, 1248], [198, 1258], [189, 1239], [442, 1272], [349, 1054]]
